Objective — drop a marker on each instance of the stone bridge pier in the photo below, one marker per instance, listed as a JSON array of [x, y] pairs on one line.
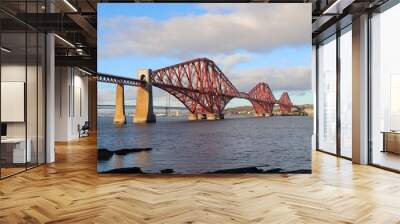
[[206, 116], [144, 99], [119, 115]]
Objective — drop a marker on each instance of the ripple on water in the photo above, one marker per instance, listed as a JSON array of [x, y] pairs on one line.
[[207, 146]]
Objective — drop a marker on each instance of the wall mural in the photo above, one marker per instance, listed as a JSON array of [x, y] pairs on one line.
[[204, 88]]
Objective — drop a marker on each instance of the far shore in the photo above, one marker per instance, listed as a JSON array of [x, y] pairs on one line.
[[242, 111]]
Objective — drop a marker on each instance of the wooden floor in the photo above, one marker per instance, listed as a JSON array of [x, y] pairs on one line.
[[70, 191]]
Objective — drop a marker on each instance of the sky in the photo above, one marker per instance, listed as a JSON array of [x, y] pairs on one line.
[[250, 43]]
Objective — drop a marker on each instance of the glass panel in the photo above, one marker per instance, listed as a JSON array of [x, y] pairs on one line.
[[13, 87], [32, 89], [23, 86], [346, 93], [31, 98], [327, 96], [385, 86]]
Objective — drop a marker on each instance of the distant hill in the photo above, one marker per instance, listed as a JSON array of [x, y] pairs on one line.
[[308, 109], [298, 110]]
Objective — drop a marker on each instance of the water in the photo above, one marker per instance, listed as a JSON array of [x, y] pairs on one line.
[[206, 146]]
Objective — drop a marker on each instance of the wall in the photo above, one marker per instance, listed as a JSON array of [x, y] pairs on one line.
[[33, 127], [17, 73], [71, 102], [12, 73]]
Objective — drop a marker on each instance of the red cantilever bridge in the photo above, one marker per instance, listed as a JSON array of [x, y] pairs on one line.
[[200, 85]]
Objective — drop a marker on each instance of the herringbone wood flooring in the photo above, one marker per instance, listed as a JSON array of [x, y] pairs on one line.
[[70, 191]]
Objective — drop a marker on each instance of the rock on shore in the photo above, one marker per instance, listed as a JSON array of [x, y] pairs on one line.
[[258, 170], [105, 154], [125, 170]]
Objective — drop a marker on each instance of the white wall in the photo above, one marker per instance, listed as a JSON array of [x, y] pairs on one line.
[[16, 73], [71, 102]]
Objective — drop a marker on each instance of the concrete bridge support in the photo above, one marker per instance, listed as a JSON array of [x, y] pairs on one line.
[[213, 116], [119, 116], [201, 116], [144, 99], [192, 117]]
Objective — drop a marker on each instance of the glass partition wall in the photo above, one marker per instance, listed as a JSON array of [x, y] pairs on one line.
[[22, 76], [334, 90], [385, 89], [327, 95], [334, 81], [345, 61]]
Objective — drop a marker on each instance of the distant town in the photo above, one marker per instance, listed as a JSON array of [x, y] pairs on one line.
[[298, 110]]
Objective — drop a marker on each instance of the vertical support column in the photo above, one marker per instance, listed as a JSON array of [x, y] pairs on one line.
[[360, 89], [50, 99], [338, 91], [50, 92], [315, 94], [119, 116], [144, 99], [92, 98]]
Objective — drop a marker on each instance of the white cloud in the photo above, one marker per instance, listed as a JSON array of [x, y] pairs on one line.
[[223, 28], [105, 96], [287, 79], [228, 62]]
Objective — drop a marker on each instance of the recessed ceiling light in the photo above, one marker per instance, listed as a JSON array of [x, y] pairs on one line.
[[70, 5], [84, 71], [337, 7], [5, 50], [64, 40]]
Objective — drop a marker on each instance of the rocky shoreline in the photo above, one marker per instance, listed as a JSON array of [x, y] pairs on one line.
[[258, 170], [105, 154], [244, 170]]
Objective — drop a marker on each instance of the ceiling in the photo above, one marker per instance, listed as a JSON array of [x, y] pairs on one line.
[[75, 21]]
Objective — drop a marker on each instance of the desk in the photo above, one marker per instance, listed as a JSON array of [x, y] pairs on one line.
[[391, 141], [17, 147]]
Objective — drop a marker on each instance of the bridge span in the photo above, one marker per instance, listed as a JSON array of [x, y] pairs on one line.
[[198, 84]]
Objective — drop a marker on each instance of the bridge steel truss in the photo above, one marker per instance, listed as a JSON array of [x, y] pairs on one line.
[[108, 78], [262, 98], [199, 84], [203, 88], [285, 103]]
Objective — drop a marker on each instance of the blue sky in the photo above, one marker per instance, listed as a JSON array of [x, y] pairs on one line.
[[251, 43]]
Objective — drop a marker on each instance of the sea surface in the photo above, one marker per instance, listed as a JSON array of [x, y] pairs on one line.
[[191, 147]]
